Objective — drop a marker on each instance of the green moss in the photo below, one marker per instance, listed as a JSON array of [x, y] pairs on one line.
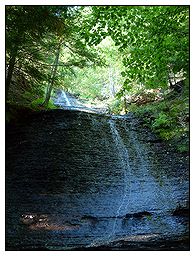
[[38, 104], [183, 148]]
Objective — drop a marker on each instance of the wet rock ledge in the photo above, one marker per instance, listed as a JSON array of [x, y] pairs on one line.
[[86, 181]]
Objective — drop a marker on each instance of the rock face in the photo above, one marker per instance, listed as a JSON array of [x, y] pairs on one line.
[[80, 180], [138, 215], [45, 222]]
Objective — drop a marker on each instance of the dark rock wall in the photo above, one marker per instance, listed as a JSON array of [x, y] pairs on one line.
[[86, 173]]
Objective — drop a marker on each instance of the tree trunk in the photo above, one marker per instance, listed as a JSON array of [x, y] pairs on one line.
[[125, 104], [10, 72], [53, 74]]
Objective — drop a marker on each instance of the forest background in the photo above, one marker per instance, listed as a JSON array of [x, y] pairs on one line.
[[125, 59]]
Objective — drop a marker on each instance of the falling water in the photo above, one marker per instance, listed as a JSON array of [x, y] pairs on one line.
[[104, 173], [164, 197], [68, 101], [124, 163], [124, 159], [64, 96]]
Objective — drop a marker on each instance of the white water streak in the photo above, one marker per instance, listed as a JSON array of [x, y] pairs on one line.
[[144, 165], [124, 158], [66, 98]]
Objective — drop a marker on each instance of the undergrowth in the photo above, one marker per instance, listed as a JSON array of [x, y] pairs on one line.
[[15, 110], [38, 104], [168, 118]]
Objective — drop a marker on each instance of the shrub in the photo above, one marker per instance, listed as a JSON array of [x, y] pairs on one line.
[[116, 106], [161, 121], [167, 118]]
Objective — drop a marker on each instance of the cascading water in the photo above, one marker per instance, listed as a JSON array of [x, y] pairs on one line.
[[124, 159], [161, 195], [62, 100], [68, 101], [64, 96], [97, 182], [123, 202]]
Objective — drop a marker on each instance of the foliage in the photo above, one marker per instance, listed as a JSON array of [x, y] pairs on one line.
[[169, 118], [25, 27], [116, 106], [96, 82], [121, 55], [162, 121], [37, 104], [33, 34], [153, 39]]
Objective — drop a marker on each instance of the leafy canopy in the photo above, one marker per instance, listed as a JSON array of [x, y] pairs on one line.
[[33, 34], [153, 39]]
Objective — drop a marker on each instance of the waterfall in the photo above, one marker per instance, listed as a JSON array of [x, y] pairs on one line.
[[64, 96], [105, 191], [126, 169], [124, 160], [164, 198], [68, 101]]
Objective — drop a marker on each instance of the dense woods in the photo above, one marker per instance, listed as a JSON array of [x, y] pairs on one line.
[[127, 58]]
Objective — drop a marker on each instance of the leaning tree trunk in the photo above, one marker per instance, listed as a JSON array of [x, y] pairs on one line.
[[10, 72], [53, 75]]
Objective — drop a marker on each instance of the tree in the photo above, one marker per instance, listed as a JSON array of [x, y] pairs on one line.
[[35, 37], [25, 26], [152, 38], [98, 80], [53, 75]]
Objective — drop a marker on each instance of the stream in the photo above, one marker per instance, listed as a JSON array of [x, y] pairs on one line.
[[77, 179]]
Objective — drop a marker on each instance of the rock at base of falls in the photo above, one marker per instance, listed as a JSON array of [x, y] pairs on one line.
[[65, 178]]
